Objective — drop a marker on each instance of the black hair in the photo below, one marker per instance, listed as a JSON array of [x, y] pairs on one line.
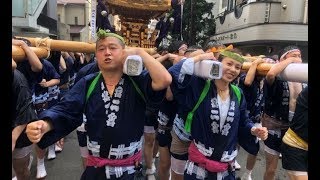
[[286, 49], [23, 39], [55, 59], [211, 43], [193, 48], [162, 48], [175, 45]]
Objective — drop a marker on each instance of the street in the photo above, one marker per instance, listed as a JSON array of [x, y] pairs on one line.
[[68, 166]]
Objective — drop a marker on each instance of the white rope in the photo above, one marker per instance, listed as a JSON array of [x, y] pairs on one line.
[[44, 43]]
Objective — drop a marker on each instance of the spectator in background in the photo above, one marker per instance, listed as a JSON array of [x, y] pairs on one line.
[[102, 20], [280, 105], [295, 141]]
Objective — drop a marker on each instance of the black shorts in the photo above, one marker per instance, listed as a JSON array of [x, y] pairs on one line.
[[294, 159], [164, 139], [274, 142], [151, 119], [23, 140], [82, 138]]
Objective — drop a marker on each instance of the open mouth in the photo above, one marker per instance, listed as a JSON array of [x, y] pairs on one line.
[[107, 60]]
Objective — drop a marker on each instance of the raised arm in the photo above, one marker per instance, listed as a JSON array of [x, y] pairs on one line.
[[252, 72], [36, 65], [161, 78], [203, 56], [278, 68]]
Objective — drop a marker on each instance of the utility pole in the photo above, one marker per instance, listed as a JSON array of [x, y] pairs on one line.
[[191, 30]]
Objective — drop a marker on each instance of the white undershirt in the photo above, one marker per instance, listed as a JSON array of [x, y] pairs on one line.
[[223, 108]]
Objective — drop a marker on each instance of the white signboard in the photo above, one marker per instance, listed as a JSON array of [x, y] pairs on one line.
[[93, 20]]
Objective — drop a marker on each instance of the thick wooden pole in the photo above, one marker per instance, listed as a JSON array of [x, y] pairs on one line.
[[70, 46], [63, 45], [262, 69], [18, 53], [294, 72]]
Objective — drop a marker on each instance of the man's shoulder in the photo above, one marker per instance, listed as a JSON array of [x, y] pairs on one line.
[[86, 70]]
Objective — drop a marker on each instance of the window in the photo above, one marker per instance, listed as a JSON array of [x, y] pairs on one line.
[[223, 6], [59, 18], [76, 20]]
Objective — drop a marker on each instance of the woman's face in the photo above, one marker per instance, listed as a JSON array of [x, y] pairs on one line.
[[231, 69]]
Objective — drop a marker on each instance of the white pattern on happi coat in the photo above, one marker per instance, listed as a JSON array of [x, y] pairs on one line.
[[202, 173], [94, 147], [114, 106], [120, 151], [215, 117], [285, 94], [178, 128], [200, 146], [162, 118], [226, 157]]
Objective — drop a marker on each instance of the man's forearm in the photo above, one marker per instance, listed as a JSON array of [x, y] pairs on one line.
[[159, 75]]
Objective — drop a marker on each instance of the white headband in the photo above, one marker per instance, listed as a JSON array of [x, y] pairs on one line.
[[283, 55]]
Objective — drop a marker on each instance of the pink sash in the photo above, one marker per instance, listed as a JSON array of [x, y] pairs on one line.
[[100, 162], [210, 165]]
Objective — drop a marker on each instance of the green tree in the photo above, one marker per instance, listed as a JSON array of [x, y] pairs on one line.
[[201, 19]]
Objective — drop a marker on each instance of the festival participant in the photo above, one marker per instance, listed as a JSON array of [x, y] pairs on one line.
[[218, 122], [31, 67], [166, 116], [252, 86], [213, 46], [22, 112], [40, 98], [295, 141], [150, 144], [115, 111], [163, 26], [280, 105]]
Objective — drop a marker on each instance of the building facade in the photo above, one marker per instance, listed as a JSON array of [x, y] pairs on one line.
[[34, 18], [262, 27], [73, 18]]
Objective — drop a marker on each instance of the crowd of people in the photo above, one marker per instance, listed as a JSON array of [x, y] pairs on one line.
[[196, 124]]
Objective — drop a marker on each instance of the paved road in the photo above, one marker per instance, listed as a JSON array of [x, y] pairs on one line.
[[67, 165]]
